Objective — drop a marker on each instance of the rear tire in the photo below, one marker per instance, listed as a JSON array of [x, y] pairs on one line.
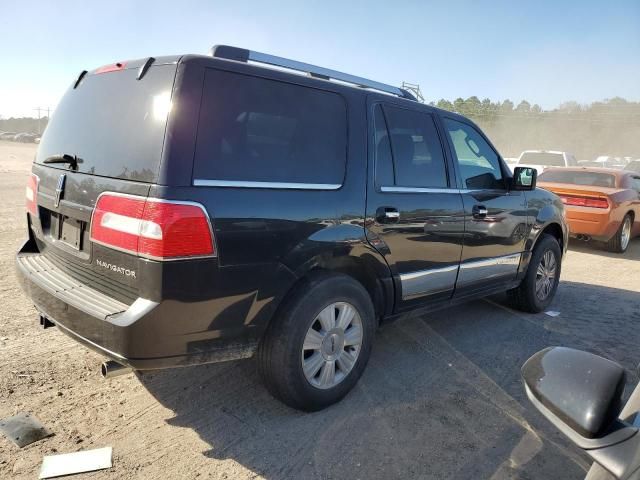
[[540, 283], [620, 241], [308, 359]]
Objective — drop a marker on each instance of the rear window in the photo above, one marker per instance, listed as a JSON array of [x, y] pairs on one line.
[[258, 130], [592, 179], [543, 158], [113, 123]]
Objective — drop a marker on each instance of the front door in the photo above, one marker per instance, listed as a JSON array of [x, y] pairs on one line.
[[415, 214], [496, 224]]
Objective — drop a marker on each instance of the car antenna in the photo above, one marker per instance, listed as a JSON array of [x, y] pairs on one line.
[[145, 66]]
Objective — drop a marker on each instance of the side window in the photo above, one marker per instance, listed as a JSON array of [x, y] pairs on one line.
[[383, 160], [254, 129], [418, 160], [479, 163], [635, 182]]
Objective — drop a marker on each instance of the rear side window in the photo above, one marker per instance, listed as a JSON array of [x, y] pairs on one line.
[[418, 160], [257, 130]]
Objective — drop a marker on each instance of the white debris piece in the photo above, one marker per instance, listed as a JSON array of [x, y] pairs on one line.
[[78, 462], [552, 313]]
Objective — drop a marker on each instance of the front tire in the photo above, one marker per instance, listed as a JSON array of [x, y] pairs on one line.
[[315, 350], [540, 283], [620, 241]]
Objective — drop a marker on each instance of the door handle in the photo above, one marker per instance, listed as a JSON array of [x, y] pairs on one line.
[[479, 211], [387, 215]]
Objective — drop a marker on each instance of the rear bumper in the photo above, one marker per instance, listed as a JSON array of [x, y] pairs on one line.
[[590, 221], [144, 335]]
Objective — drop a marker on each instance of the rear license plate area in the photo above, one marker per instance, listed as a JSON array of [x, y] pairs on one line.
[[70, 231]]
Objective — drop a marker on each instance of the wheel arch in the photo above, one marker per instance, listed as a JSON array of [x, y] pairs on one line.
[[555, 230]]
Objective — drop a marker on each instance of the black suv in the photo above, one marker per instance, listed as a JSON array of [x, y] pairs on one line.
[[195, 209]]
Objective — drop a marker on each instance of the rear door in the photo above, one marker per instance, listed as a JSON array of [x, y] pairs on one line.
[[114, 125], [496, 223], [414, 212]]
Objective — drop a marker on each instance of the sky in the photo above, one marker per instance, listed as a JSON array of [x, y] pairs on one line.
[[546, 52]]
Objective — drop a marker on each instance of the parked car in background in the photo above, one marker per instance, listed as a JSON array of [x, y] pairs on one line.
[[601, 204], [605, 161], [26, 137], [7, 135], [633, 166], [587, 163], [272, 213], [541, 159]]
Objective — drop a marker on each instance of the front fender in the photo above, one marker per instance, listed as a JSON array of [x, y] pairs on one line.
[[547, 214]]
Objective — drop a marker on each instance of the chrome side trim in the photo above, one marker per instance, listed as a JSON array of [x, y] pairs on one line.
[[396, 189], [425, 282], [478, 270], [203, 182]]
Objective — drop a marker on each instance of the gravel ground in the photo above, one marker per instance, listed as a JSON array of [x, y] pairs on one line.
[[441, 397]]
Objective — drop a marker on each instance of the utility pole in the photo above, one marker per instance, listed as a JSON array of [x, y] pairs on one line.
[[40, 110]]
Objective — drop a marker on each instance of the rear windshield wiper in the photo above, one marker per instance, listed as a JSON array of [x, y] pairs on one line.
[[72, 160]]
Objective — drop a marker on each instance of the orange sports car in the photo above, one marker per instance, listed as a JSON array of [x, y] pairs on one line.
[[602, 204]]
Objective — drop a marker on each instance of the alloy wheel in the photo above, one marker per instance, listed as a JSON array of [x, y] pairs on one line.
[[546, 275], [332, 345]]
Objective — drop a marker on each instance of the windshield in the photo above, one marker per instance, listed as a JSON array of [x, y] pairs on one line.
[[542, 158], [592, 179], [113, 123]]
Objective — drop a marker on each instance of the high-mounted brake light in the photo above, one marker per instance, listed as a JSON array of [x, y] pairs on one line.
[[114, 67], [152, 228], [585, 201], [32, 194]]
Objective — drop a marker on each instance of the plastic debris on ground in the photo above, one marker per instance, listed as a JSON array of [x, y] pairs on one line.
[[23, 429], [78, 462]]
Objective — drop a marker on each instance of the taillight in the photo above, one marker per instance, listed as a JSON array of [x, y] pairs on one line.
[[585, 201], [32, 194], [152, 228]]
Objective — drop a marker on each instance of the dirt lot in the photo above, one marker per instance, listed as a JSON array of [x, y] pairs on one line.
[[441, 397]]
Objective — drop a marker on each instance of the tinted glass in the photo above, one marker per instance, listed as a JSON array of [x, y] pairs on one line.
[[542, 158], [479, 163], [114, 123], [384, 162], [253, 129], [635, 182], [417, 153], [593, 179]]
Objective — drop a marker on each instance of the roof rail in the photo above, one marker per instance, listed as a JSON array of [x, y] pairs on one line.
[[243, 55]]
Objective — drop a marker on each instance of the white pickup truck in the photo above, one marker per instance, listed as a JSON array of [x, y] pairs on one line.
[[541, 159]]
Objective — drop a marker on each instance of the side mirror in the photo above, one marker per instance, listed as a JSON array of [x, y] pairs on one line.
[[581, 394], [524, 178], [581, 389]]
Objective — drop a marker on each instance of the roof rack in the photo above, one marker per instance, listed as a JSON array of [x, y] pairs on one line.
[[243, 55]]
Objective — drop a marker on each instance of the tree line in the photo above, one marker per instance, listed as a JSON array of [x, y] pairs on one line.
[[608, 127], [23, 124]]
